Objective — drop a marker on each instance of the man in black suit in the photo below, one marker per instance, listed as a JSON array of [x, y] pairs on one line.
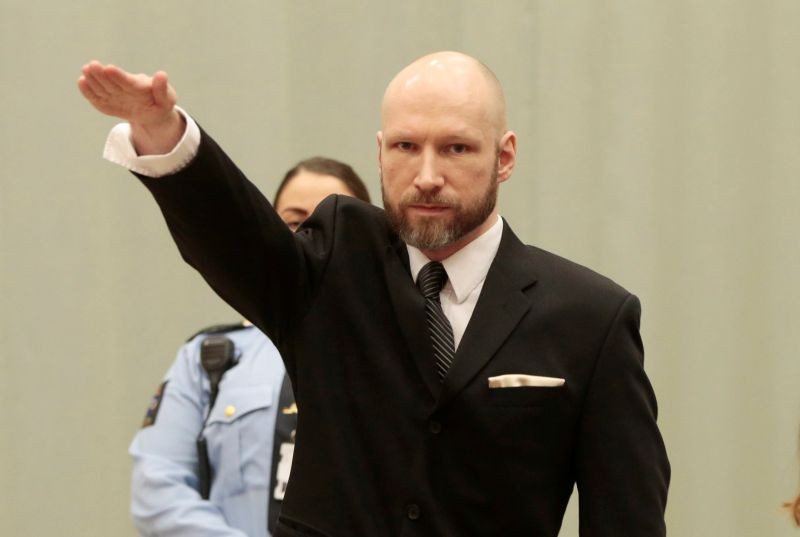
[[471, 408]]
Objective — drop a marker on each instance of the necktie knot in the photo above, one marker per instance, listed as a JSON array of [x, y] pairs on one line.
[[431, 279]]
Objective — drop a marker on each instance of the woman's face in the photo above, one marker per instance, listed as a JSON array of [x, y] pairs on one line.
[[302, 194]]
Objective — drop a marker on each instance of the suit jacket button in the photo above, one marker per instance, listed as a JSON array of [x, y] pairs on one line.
[[413, 511], [435, 426]]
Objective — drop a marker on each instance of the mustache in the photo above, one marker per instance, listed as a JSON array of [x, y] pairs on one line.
[[428, 198]]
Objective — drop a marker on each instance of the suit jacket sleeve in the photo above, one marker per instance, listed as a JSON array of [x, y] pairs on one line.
[[227, 230], [623, 471]]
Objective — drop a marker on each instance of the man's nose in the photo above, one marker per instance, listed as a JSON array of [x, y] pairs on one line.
[[429, 176]]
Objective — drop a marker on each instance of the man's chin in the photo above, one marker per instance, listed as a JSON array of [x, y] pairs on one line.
[[428, 237], [429, 227]]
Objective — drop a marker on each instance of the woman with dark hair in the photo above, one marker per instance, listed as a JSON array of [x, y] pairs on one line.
[[327, 166], [311, 181]]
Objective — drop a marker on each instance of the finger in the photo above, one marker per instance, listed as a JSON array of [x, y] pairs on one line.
[[96, 87], [99, 78], [92, 65], [112, 80], [93, 71], [86, 90], [125, 80], [163, 95]]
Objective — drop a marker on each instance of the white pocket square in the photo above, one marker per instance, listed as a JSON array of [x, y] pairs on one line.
[[519, 381]]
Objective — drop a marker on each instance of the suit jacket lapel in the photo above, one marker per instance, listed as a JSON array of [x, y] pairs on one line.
[[409, 306], [500, 307]]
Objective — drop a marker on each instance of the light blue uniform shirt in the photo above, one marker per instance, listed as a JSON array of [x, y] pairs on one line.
[[164, 491]]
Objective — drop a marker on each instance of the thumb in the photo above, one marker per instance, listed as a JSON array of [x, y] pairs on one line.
[[163, 94]]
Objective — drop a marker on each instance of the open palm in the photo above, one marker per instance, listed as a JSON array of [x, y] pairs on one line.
[[141, 99]]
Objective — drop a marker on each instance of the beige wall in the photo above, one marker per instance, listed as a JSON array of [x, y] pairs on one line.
[[658, 145]]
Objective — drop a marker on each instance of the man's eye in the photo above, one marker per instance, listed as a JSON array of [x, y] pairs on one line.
[[458, 149], [405, 146]]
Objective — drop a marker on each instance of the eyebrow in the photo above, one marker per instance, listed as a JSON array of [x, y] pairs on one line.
[[456, 136], [294, 210]]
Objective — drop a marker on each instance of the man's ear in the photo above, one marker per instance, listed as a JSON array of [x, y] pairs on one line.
[[506, 156]]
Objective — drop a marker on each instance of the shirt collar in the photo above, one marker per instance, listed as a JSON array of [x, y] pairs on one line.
[[467, 267]]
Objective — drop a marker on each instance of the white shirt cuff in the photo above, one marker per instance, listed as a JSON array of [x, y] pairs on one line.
[[119, 150]]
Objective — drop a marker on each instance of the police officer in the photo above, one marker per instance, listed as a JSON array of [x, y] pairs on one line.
[[214, 452]]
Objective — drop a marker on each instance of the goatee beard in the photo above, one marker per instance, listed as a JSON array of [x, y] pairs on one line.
[[434, 232]]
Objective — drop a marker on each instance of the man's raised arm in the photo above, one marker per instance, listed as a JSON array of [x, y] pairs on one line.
[[221, 222], [146, 102]]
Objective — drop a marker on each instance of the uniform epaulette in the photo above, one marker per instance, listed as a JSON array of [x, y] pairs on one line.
[[220, 329]]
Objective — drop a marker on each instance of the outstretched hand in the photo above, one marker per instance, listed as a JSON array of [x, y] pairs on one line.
[[146, 102]]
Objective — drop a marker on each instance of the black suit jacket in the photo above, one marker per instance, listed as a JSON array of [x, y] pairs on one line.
[[383, 449]]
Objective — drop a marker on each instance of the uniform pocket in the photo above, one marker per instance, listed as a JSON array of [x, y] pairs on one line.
[[239, 435], [235, 403]]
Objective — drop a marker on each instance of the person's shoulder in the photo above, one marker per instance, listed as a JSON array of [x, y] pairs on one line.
[[337, 213], [576, 273], [356, 219], [221, 329], [350, 208], [573, 286], [246, 339], [187, 370], [556, 271], [356, 206], [256, 358]]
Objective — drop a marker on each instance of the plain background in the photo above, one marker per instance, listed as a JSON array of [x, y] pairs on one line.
[[658, 144]]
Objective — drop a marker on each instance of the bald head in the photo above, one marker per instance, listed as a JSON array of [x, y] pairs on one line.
[[449, 80]]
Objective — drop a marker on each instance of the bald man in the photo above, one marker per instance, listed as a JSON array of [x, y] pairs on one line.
[[453, 381]]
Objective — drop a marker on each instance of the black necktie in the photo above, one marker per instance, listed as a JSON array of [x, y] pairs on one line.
[[430, 282]]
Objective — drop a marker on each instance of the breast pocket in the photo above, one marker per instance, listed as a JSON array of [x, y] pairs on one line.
[[239, 434], [526, 396], [526, 420]]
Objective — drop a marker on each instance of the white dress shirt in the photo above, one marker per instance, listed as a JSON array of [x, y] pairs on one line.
[[466, 271]]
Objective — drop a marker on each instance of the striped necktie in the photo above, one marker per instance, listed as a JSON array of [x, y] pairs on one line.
[[430, 282]]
